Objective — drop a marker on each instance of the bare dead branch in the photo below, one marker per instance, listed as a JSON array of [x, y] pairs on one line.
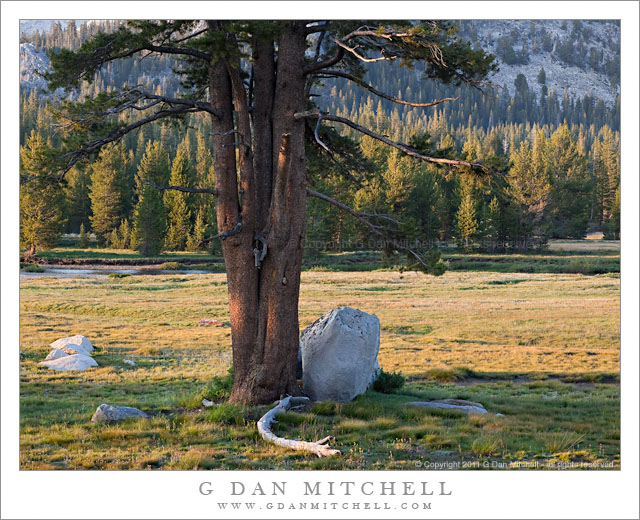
[[378, 230], [336, 73], [264, 428], [353, 51], [399, 146], [362, 217], [389, 35], [223, 235], [318, 140]]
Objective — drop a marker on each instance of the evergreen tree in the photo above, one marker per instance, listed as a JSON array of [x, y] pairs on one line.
[[606, 172], [108, 189], [568, 210], [199, 231], [467, 222], [204, 178], [42, 214], [83, 240], [120, 238], [178, 212], [612, 227], [78, 202], [149, 219], [528, 181], [149, 222], [493, 221]]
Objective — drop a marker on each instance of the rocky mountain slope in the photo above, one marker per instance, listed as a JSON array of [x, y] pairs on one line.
[[581, 57], [566, 50], [32, 61]]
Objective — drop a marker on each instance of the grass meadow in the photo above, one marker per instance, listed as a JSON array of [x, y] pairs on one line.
[[542, 349]]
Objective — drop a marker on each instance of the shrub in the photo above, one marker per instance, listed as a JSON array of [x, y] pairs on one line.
[[388, 383], [83, 240], [217, 389], [32, 268], [170, 266], [118, 275], [444, 375], [583, 266]]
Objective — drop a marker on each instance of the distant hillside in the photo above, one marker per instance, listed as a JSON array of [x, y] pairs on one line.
[[581, 56], [559, 95]]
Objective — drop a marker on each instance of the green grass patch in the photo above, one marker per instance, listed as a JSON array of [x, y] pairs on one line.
[[227, 414], [32, 268], [219, 388], [544, 354], [407, 329]]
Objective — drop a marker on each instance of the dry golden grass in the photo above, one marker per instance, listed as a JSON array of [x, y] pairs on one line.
[[593, 243], [550, 327]]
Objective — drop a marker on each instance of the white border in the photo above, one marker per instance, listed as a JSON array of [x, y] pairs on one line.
[[549, 494]]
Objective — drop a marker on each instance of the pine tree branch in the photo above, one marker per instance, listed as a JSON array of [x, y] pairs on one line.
[[399, 146], [92, 147], [163, 49], [362, 217], [329, 62], [201, 106], [382, 231], [189, 36], [182, 188], [336, 73]]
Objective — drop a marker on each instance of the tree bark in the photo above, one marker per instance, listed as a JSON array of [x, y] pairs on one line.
[[271, 204]]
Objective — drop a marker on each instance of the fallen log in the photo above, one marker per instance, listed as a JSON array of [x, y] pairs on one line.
[[321, 449]]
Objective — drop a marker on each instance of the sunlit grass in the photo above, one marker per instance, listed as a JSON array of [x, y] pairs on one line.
[[541, 349]]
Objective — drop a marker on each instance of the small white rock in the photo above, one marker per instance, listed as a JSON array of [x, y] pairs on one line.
[[75, 362], [129, 362], [206, 403], [109, 413], [55, 354], [452, 404], [76, 343]]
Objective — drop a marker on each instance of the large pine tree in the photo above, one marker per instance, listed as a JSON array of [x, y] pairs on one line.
[[254, 79]]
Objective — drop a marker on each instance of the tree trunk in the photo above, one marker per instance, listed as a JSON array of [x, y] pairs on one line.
[[270, 204]]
